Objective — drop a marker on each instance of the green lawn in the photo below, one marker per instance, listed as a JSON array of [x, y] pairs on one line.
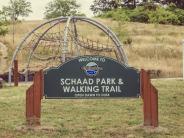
[[94, 118]]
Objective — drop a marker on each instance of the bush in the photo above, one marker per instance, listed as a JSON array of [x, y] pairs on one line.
[[3, 29], [127, 41], [119, 14], [178, 12], [148, 14], [163, 16], [139, 17], [180, 15]]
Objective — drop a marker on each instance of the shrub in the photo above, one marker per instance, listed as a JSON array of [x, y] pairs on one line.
[[139, 17], [122, 15], [163, 16], [3, 31], [127, 41], [118, 14], [148, 13], [180, 15], [178, 12]]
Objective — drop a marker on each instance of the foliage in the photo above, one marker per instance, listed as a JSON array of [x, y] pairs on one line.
[[178, 12], [139, 15], [148, 14], [3, 30], [17, 8], [3, 16], [3, 23], [163, 16], [118, 14], [178, 3], [57, 8], [99, 6]]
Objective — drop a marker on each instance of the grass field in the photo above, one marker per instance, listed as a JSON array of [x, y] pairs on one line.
[[94, 118]]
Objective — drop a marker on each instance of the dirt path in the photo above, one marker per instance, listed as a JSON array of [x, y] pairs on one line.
[[3, 57]]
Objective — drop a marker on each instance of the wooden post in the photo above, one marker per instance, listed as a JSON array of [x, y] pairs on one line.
[[1, 83], [154, 106], [149, 95], [15, 73], [33, 100], [29, 104]]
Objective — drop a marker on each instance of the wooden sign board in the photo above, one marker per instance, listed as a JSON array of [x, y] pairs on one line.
[[91, 77]]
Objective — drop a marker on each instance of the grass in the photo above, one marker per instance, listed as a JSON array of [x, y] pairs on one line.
[[95, 118]]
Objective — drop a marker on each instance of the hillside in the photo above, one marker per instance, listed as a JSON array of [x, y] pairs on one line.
[[150, 46]]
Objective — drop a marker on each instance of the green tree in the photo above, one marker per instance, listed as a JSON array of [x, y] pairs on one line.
[[99, 6], [17, 8], [57, 8], [178, 3]]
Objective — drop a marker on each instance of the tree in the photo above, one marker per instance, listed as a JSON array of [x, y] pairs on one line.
[[17, 8], [58, 8], [178, 3], [99, 6]]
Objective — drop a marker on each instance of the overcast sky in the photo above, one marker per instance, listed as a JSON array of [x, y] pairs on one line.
[[38, 8]]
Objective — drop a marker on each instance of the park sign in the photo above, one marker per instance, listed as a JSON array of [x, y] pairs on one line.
[[91, 77]]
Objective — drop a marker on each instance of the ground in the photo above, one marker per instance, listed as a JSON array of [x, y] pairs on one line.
[[116, 118]]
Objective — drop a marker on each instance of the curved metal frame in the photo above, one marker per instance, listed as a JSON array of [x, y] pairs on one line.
[[121, 54], [65, 38]]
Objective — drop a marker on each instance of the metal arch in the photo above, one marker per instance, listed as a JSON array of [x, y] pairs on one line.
[[40, 37], [113, 37], [24, 39], [29, 34], [105, 29], [108, 32], [93, 22], [65, 44]]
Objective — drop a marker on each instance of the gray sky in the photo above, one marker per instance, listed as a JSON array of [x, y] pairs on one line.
[[38, 7]]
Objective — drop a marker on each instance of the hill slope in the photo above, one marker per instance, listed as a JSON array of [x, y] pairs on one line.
[[149, 46]]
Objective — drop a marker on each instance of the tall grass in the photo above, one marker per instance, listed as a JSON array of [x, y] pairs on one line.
[[152, 46]]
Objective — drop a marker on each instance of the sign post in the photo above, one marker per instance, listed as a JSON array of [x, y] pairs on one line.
[[90, 77], [15, 73], [33, 100], [149, 95]]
